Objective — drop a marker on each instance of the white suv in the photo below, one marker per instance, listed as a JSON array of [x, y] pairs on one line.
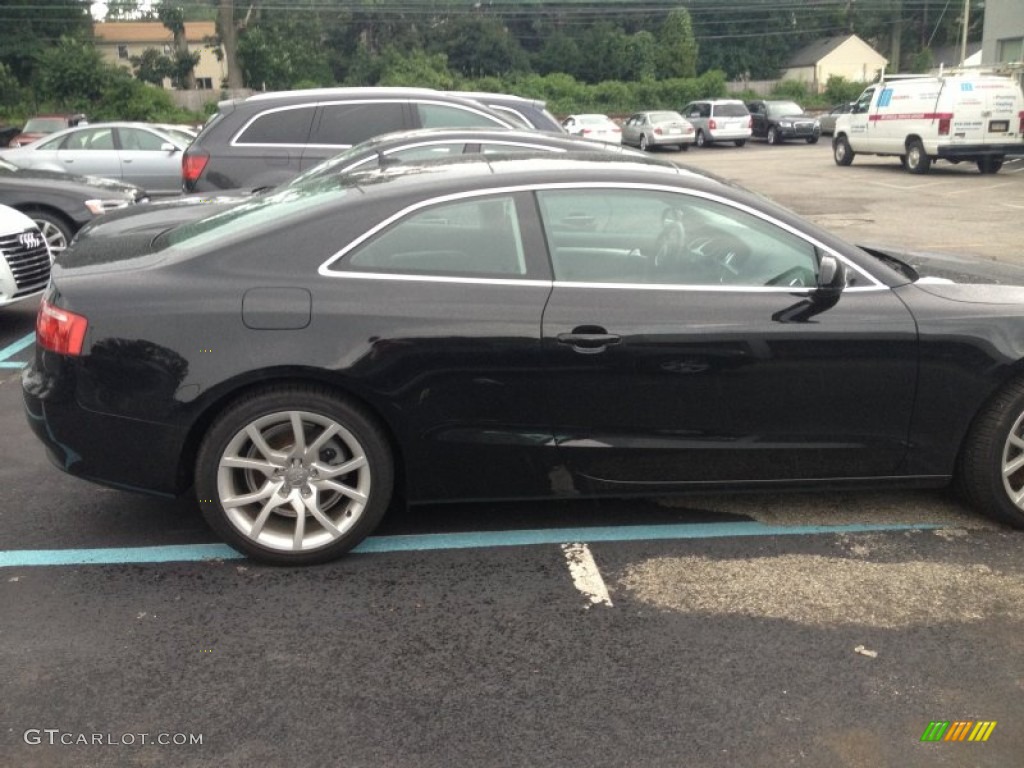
[[719, 120], [24, 257]]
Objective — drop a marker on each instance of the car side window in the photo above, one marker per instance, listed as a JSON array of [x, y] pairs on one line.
[[469, 238], [431, 152], [448, 116], [656, 237], [136, 139], [351, 123], [93, 139], [279, 126]]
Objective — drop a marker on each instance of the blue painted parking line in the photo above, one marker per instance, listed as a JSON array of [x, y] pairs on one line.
[[438, 541], [14, 348]]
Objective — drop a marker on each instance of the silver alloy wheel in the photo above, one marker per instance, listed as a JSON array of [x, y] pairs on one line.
[[1013, 463], [293, 481], [53, 235]]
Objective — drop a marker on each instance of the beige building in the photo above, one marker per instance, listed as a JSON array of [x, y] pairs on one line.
[[847, 56], [119, 41]]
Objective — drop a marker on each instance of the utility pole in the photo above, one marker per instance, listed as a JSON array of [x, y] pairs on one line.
[[963, 39]]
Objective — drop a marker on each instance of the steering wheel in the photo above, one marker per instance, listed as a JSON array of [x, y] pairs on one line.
[[794, 277], [668, 248], [725, 253]]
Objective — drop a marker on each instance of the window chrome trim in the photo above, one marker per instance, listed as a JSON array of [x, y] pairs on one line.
[[325, 268], [414, 278]]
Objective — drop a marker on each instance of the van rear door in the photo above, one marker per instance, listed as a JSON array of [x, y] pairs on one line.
[[1001, 107]]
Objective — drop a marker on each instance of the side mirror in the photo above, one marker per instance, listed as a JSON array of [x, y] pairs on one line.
[[168, 147], [831, 281]]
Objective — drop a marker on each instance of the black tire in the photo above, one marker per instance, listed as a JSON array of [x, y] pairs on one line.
[[903, 161], [57, 230], [988, 449], [644, 146], [773, 136], [841, 151], [740, 142], [989, 164], [344, 469], [702, 140], [812, 139], [917, 160], [683, 147]]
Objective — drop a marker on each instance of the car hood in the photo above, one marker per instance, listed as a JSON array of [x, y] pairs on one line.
[[87, 185], [958, 277]]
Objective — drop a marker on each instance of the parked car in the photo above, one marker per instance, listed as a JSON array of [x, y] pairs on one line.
[[135, 153], [43, 125], [719, 120], [268, 139], [24, 257], [470, 330], [828, 120], [60, 204], [184, 132], [525, 113], [402, 147], [662, 128], [777, 121], [593, 127]]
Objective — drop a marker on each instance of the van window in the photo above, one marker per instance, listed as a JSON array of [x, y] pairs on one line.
[[730, 110], [353, 122], [280, 126], [446, 116]]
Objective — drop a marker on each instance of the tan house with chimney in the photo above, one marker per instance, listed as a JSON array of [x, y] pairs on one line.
[[119, 41]]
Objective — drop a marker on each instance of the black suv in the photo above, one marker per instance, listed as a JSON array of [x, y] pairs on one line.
[[269, 138], [777, 121]]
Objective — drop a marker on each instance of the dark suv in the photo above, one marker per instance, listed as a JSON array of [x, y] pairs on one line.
[[777, 121], [270, 138]]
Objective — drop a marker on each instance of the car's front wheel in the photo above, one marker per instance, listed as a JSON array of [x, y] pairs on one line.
[[841, 151], [294, 475], [991, 470], [56, 230]]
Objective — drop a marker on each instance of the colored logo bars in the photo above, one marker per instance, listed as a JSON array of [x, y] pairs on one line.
[[958, 730]]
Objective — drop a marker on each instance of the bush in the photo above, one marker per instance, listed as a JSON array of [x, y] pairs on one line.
[[838, 90], [791, 89]]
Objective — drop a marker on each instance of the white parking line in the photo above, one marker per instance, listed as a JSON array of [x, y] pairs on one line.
[[585, 574]]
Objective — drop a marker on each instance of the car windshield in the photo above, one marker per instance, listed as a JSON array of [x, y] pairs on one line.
[[782, 108], [331, 165], [594, 120], [44, 125], [730, 110], [665, 117]]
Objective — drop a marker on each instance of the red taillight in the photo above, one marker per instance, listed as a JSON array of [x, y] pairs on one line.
[[711, 124], [585, 131], [60, 331], [750, 122], [944, 123], [658, 131], [1021, 127], [192, 164]]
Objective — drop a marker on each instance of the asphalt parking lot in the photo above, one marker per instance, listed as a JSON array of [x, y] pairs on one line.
[[770, 629]]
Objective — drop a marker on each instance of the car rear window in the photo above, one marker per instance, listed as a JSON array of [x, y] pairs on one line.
[[287, 125], [730, 110], [352, 122]]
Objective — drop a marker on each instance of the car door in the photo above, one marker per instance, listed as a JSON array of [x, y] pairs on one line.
[[632, 128], [862, 128], [90, 152], [147, 161], [758, 118], [682, 346], [455, 289]]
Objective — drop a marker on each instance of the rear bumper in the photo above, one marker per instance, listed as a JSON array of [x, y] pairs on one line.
[[971, 151], [110, 450]]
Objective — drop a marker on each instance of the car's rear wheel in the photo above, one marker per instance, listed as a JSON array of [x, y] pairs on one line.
[[701, 140], [917, 160], [56, 230], [294, 475], [991, 471], [740, 142], [990, 164], [812, 139], [644, 146], [841, 151]]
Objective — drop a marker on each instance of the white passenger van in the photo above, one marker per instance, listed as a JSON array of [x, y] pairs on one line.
[[955, 116]]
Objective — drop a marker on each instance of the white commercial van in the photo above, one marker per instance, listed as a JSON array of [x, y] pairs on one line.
[[956, 116]]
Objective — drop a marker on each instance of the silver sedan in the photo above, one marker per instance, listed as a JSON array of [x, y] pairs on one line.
[[135, 153], [648, 130]]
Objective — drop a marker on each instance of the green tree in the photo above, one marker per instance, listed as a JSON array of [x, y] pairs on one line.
[[72, 74], [173, 17], [677, 47], [477, 46], [152, 66], [30, 27]]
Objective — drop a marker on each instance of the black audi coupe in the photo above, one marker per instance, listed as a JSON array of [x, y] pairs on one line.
[[502, 326]]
